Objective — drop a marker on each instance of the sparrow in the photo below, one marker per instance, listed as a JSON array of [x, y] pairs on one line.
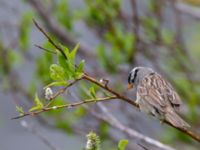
[[156, 96]]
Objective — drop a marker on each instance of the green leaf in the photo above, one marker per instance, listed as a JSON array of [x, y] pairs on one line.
[[69, 63], [66, 66], [80, 67], [20, 110], [72, 54], [57, 72], [61, 60], [79, 70], [122, 144], [78, 75], [66, 50], [92, 92], [38, 104]]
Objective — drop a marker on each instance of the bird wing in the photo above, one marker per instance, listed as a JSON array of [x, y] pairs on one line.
[[172, 95], [158, 92]]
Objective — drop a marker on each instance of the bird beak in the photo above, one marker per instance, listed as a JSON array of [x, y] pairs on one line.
[[130, 86]]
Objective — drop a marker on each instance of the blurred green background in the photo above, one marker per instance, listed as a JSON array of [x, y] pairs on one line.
[[114, 37]]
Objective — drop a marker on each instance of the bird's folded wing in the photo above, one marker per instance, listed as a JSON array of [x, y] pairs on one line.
[[158, 92]]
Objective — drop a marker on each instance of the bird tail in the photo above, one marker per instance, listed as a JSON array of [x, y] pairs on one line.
[[176, 120]]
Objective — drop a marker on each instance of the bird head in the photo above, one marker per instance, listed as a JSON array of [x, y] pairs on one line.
[[136, 75]]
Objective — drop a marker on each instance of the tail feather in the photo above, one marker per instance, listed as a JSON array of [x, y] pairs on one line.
[[176, 120]]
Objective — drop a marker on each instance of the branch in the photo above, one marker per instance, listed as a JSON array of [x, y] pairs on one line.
[[49, 39], [45, 49], [123, 98], [36, 132], [189, 10], [136, 21], [132, 133], [45, 109], [61, 91], [105, 87], [56, 29]]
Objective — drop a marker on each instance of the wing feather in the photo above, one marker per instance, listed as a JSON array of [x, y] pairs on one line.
[[158, 92]]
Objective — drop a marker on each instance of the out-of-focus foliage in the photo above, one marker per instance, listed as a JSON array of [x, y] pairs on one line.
[[24, 30], [160, 45], [117, 39], [63, 14], [192, 2], [43, 63], [122, 144]]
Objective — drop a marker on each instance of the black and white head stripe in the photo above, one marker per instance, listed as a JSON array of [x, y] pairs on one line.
[[132, 75]]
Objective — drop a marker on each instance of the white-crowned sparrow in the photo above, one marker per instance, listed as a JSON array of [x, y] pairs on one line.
[[156, 96]]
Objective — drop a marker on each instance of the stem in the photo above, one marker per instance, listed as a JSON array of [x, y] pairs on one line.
[[119, 96], [61, 91], [66, 106]]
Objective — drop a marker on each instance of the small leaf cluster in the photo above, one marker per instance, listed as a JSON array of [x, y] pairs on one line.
[[65, 69], [61, 73]]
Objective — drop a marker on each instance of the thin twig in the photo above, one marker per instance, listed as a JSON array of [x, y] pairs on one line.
[[35, 131], [61, 91], [49, 38], [45, 109], [58, 30], [45, 49], [189, 10], [132, 102]]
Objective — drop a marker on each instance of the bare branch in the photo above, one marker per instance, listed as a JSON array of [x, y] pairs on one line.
[[35, 131], [89, 78], [45, 109], [136, 21], [191, 11], [123, 98], [45, 49], [132, 133], [55, 28], [49, 38]]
